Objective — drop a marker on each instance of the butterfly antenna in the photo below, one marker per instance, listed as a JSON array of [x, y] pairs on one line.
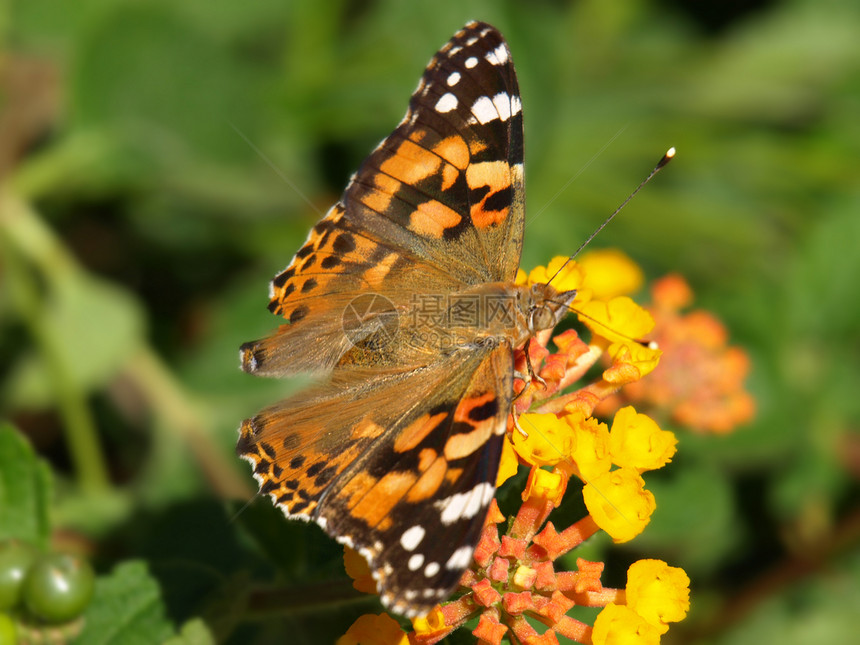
[[244, 507], [666, 158]]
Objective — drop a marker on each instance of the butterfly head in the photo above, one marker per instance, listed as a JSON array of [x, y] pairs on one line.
[[546, 307]]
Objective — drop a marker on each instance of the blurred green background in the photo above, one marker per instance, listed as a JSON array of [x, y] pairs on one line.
[[161, 161]]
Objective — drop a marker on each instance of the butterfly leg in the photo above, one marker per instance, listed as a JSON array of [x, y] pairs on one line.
[[515, 417], [533, 376], [527, 379]]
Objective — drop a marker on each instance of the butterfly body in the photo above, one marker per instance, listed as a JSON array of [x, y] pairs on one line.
[[403, 304]]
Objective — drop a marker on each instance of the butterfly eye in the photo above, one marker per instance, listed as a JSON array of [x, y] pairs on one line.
[[541, 317]]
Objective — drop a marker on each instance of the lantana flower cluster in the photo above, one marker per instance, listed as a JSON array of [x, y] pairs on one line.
[[514, 587], [699, 384]]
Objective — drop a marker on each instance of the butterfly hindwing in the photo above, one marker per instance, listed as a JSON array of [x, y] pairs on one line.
[[369, 464], [416, 505]]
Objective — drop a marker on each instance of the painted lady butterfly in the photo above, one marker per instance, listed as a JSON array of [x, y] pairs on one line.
[[402, 301]]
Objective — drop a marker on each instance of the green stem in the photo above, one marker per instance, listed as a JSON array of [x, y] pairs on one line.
[[168, 398], [78, 425]]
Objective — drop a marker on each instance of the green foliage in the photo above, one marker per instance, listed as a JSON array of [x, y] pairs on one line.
[[127, 608], [161, 161], [25, 490]]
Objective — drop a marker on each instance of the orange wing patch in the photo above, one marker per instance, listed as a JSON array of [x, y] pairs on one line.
[[357, 487], [417, 431], [379, 199], [429, 482], [375, 506], [453, 150], [292, 469], [495, 175], [411, 163], [321, 267], [469, 412], [376, 274], [432, 218]]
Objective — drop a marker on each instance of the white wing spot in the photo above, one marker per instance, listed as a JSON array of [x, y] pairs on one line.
[[465, 504], [499, 56], [484, 110], [459, 559], [516, 105], [471, 62], [453, 79], [431, 569], [446, 103], [415, 562], [501, 106], [412, 537]]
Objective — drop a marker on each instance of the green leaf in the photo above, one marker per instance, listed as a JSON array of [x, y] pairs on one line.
[[298, 549], [194, 632], [821, 607], [25, 490], [127, 608], [120, 78], [694, 507], [96, 326], [226, 606]]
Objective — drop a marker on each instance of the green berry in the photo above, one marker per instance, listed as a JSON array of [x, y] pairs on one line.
[[58, 587], [16, 558]]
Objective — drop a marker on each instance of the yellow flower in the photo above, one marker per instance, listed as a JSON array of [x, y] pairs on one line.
[[619, 625], [545, 485], [657, 592], [508, 463], [625, 356], [591, 447], [619, 503], [570, 277], [370, 629], [621, 323], [429, 625], [357, 569], [550, 440], [617, 320], [522, 277], [636, 441], [610, 273]]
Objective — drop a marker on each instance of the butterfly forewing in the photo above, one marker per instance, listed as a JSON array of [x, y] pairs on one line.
[[448, 181], [438, 205], [395, 451]]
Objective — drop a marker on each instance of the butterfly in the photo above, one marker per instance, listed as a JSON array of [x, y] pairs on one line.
[[402, 304]]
